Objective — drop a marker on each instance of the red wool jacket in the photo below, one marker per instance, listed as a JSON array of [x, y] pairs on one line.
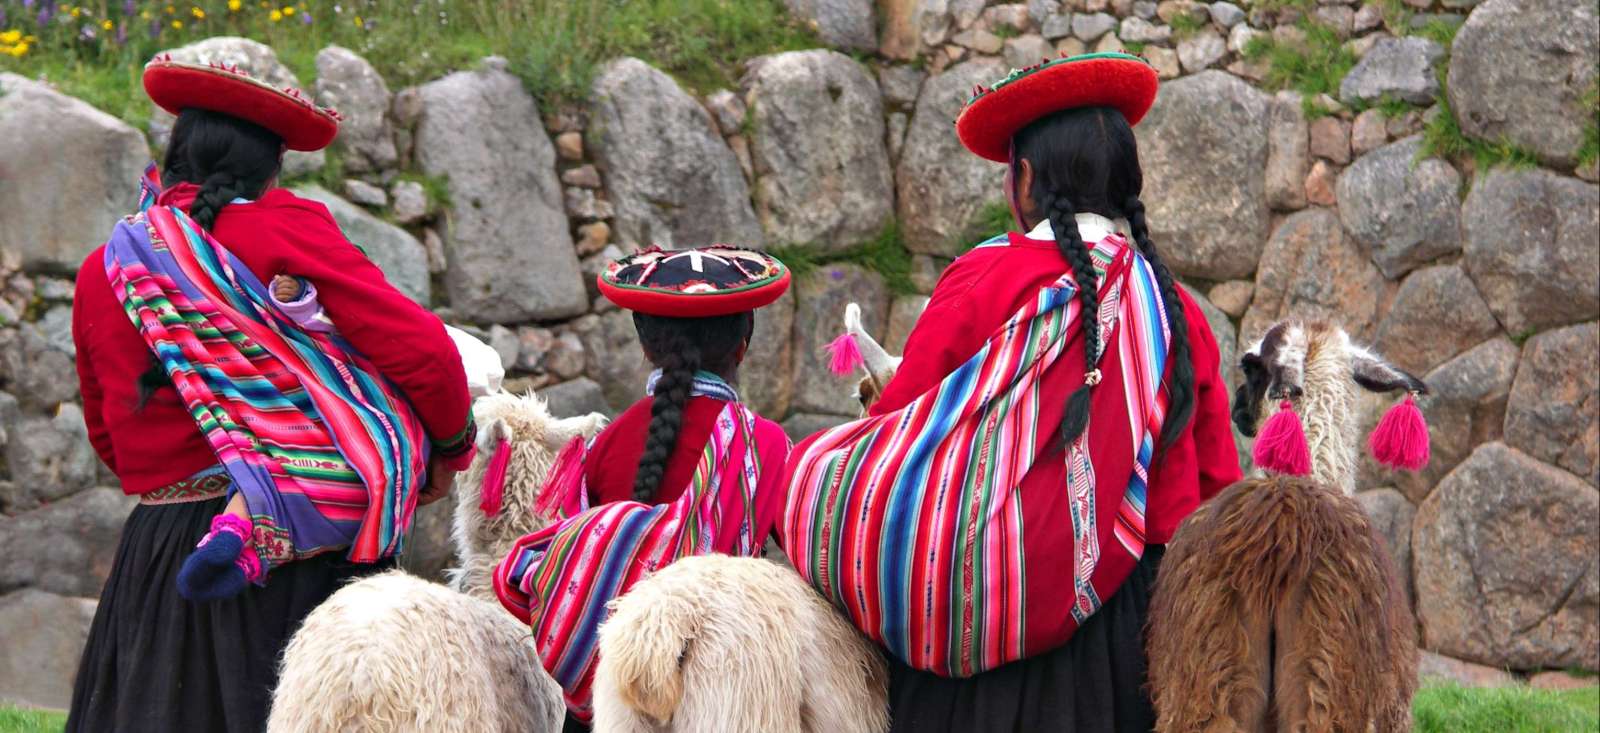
[[279, 233], [985, 287], [614, 458]]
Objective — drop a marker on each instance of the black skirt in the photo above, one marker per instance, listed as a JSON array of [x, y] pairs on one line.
[[1094, 684], [156, 662]]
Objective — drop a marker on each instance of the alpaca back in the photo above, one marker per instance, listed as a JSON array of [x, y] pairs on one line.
[[715, 643], [1279, 601], [394, 654]]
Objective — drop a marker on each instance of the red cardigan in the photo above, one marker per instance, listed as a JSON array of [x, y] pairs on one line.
[[985, 287], [280, 233], [614, 458]]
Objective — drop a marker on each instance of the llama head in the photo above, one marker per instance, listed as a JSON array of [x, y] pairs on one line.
[[856, 348], [518, 440], [1313, 366]]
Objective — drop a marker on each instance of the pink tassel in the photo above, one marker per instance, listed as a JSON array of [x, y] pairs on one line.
[[1401, 439], [1282, 447], [492, 494], [845, 355], [564, 480]]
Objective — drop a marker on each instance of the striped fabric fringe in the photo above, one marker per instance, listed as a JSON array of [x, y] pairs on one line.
[[327, 453], [911, 521], [562, 579]]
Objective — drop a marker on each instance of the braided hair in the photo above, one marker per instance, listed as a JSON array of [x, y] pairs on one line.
[[227, 158], [680, 347], [1087, 159]]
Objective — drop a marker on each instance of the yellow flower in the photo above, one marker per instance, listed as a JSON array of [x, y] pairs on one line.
[[177, 25], [145, 14], [360, 24], [171, 10], [75, 12], [107, 25], [233, 6], [10, 37], [288, 10], [19, 49], [275, 16], [198, 13]]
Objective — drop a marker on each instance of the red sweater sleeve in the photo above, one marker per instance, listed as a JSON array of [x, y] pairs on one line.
[[1215, 452], [406, 342], [91, 281]]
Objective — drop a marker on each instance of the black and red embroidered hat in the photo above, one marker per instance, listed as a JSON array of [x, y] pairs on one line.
[[175, 86], [694, 283], [995, 114]]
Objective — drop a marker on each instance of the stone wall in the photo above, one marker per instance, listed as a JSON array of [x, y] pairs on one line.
[[498, 213]]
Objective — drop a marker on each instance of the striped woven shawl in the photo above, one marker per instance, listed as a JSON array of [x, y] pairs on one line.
[[562, 579], [912, 521], [326, 452]]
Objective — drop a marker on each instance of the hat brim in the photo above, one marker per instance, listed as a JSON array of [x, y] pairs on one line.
[[1125, 83], [657, 302], [176, 86]]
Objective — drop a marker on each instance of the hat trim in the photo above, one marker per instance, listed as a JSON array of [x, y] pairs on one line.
[[764, 282], [981, 91]]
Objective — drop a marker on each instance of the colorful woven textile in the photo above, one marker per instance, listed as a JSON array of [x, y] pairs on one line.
[[561, 579], [326, 452], [912, 522]]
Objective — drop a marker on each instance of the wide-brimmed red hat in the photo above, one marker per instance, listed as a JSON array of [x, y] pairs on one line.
[[175, 86], [694, 283], [994, 115]]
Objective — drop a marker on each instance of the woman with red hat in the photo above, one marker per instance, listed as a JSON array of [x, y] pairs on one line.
[[998, 520], [195, 390], [687, 470]]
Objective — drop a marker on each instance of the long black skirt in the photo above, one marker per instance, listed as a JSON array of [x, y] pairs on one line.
[[156, 662], [1094, 684]]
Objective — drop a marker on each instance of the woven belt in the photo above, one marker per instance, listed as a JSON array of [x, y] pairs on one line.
[[208, 484]]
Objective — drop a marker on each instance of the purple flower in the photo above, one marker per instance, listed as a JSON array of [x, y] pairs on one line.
[[86, 33], [155, 28], [122, 33], [27, 4], [305, 18], [44, 16], [2, 16], [128, 7]]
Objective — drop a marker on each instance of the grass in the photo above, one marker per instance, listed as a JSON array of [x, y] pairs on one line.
[[14, 720], [1184, 25], [1439, 32], [1453, 709], [885, 254], [1442, 138], [993, 218], [437, 188], [1589, 152], [1314, 66], [554, 46]]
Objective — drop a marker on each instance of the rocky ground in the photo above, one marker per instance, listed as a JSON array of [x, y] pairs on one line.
[[1268, 203]]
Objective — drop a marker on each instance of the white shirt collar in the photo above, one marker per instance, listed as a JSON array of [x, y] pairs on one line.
[[1092, 227]]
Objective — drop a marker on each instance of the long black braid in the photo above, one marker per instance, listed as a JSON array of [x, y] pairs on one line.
[[1180, 385], [680, 347], [227, 158], [1087, 160]]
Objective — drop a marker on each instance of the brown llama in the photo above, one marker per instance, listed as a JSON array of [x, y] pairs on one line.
[[1277, 607]]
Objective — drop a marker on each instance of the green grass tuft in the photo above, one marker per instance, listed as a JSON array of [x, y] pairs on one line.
[[15, 720], [1184, 25], [1442, 137], [1589, 152], [994, 218], [1448, 708], [885, 254], [1439, 32], [1314, 66], [437, 188]]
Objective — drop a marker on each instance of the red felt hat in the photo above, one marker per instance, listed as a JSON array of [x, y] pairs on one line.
[[994, 115], [694, 283], [175, 86]]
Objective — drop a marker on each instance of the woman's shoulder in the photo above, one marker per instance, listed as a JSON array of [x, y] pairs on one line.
[[282, 202]]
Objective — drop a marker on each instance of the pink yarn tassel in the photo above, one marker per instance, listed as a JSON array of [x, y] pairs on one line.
[[563, 482], [1282, 447], [492, 494], [1401, 438], [845, 355]]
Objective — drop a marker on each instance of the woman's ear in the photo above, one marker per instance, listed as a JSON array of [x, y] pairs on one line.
[[1023, 206]]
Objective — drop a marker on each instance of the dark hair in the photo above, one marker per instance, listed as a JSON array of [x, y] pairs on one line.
[[227, 158], [679, 347], [1087, 159]]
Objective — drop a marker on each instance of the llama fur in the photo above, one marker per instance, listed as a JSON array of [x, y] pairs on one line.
[[535, 437], [395, 654], [713, 644], [1277, 607]]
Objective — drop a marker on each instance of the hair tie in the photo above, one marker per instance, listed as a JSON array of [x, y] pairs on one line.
[[1092, 378]]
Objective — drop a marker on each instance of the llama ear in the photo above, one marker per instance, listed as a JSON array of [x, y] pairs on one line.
[[492, 432], [1376, 375]]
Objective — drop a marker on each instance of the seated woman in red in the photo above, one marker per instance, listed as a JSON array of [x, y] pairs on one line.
[[688, 470], [1058, 412]]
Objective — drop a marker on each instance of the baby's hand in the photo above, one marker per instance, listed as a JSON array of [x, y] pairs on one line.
[[286, 289]]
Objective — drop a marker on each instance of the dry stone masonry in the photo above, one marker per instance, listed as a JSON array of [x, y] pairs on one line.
[[498, 211]]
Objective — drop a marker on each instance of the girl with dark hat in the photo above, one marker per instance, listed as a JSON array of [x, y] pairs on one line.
[[687, 470], [998, 519], [196, 389]]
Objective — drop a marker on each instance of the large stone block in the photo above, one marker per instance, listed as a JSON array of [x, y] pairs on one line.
[[1554, 410], [1465, 408], [43, 635], [347, 83], [1436, 314], [66, 547], [1407, 212], [1311, 269], [819, 317], [1530, 247], [846, 24], [940, 186]]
